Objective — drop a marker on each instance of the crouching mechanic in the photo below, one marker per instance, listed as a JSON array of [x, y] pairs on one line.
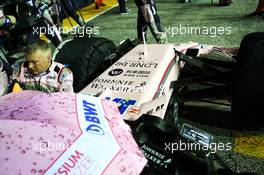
[[39, 72], [148, 16]]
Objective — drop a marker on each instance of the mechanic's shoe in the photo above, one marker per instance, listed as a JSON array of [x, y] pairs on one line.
[[125, 13], [186, 1], [256, 14]]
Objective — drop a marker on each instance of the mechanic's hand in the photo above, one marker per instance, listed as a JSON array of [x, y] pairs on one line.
[[162, 38]]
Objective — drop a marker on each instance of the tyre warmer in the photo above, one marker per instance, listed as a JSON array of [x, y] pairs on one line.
[[65, 133]]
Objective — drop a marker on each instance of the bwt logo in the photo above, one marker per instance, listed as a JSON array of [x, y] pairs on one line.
[[91, 116], [122, 103]]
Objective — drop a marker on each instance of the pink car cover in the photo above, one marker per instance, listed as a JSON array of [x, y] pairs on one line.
[[65, 133]]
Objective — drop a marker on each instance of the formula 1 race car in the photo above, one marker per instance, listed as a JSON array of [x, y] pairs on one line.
[[149, 82], [143, 79]]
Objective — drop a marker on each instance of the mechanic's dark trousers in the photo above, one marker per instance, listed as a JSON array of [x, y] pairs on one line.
[[70, 10], [55, 15], [99, 3], [122, 6], [260, 7], [142, 25]]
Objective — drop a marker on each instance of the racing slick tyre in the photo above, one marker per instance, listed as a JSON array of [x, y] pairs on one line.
[[86, 58]]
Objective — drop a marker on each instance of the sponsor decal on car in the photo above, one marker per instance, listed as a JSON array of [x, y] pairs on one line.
[[88, 154], [115, 72]]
